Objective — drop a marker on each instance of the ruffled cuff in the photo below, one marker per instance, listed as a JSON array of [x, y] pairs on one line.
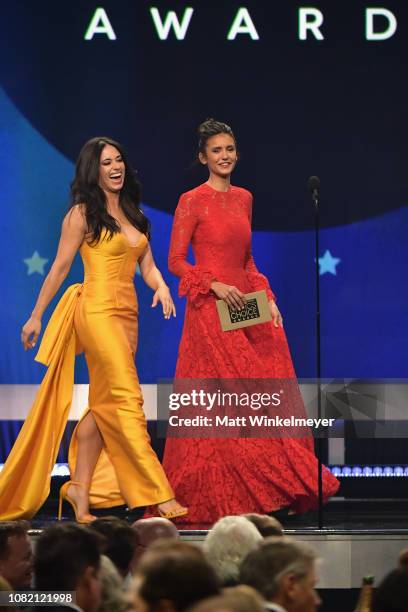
[[258, 282], [196, 284]]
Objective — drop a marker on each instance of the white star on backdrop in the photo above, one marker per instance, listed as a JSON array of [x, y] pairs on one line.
[[328, 264], [35, 263]]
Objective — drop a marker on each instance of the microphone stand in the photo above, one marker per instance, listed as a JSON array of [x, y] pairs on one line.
[[315, 197]]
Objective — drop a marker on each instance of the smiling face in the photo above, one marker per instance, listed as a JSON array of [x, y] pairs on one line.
[[220, 155], [111, 169]]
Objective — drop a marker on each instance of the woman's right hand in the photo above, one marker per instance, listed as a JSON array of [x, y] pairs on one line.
[[230, 294], [30, 332]]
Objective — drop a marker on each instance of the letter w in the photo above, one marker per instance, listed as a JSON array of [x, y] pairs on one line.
[[171, 21]]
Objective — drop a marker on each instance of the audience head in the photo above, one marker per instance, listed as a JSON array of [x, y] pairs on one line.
[[392, 593], [150, 530], [16, 556], [266, 525], [233, 599], [121, 542], [113, 597], [172, 576], [227, 544], [67, 558], [283, 572], [403, 559]]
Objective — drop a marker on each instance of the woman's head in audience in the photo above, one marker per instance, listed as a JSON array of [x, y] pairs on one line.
[[227, 544]]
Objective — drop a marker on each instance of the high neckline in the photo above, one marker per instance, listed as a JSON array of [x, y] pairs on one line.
[[216, 190]]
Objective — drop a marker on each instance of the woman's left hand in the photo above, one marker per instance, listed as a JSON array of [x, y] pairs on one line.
[[163, 295], [276, 315]]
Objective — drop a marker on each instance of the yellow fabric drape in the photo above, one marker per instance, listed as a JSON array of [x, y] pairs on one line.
[[25, 478], [26, 475]]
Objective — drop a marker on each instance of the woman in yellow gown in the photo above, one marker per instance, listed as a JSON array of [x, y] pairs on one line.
[[111, 460]]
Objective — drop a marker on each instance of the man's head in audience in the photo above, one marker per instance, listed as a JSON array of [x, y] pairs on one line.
[[121, 542], [150, 530], [172, 576], [16, 557], [283, 572], [67, 558]]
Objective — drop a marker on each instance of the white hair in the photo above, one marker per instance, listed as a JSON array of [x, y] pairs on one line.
[[114, 598], [228, 543]]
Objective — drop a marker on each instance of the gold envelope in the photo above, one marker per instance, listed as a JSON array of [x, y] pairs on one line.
[[256, 311]]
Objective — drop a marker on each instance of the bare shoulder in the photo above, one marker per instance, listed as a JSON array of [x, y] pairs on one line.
[[75, 218]]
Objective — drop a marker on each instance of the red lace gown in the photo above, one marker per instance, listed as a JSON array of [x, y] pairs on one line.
[[219, 476]]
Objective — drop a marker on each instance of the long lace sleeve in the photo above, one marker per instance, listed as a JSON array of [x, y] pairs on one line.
[[257, 280], [195, 282]]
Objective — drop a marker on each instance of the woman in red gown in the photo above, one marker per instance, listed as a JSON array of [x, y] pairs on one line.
[[214, 476]]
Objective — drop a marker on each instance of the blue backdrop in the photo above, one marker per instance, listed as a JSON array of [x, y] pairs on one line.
[[334, 107]]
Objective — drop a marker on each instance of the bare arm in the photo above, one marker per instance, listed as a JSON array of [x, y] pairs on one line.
[[149, 271], [153, 279], [72, 235]]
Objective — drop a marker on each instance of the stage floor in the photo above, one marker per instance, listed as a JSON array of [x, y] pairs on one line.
[[339, 515]]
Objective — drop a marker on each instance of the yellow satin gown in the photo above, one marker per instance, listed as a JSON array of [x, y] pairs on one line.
[[98, 317]]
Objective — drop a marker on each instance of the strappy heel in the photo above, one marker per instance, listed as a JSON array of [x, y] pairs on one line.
[[173, 514], [63, 496]]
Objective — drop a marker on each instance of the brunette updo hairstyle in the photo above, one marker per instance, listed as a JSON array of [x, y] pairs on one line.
[[210, 128]]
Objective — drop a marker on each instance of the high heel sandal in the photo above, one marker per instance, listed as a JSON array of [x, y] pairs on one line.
[[63, 496], [172, 514]]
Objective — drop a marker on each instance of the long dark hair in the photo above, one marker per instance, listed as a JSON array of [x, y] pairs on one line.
[[85, 190]]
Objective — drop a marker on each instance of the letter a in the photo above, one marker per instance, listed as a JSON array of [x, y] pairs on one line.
[[100, 24], [242, 24], [382, 12], [313, 25]]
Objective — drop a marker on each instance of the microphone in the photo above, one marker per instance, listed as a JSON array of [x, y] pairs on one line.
[[313, 185]]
